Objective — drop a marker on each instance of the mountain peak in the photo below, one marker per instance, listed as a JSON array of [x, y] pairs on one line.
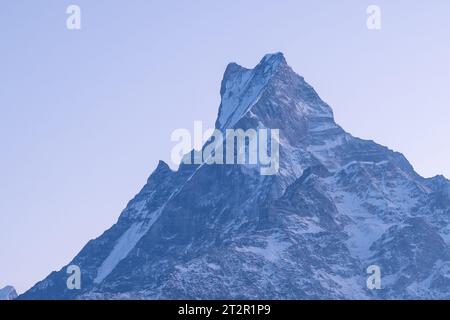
[[221, 231], [241, 87], [272, 91], [8, 293], [274, 59]]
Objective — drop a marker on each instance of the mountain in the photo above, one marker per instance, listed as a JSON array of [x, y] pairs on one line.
[[8, 293], [337, 205]]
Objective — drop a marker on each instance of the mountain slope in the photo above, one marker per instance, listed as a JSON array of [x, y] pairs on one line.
[[337, 205]]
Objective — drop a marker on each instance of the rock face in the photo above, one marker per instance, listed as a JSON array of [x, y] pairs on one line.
[[337, 205], [8, 293]]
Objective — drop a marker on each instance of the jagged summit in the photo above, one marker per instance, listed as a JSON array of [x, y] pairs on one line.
[[271, 59], [241, 86], [243, 89], [162, 166], [274, 59], [337, 205]]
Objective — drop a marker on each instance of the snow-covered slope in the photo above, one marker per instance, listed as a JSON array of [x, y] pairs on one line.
[[338, 205], [8, 293]]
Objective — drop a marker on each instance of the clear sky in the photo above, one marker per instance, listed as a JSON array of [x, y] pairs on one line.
[[85, 115]]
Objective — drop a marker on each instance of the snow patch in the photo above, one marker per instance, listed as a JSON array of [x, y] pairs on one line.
[[272, 252], [121, 250], [124, 245]]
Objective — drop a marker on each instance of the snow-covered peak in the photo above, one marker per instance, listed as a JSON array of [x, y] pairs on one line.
[[241, 87], [208, 231], [274, 59], [271, 93], [8, 293]]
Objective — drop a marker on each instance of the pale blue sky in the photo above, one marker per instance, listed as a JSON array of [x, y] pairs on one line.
[[85, 115]]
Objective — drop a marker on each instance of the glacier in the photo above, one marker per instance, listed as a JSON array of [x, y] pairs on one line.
[[338, 205]]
